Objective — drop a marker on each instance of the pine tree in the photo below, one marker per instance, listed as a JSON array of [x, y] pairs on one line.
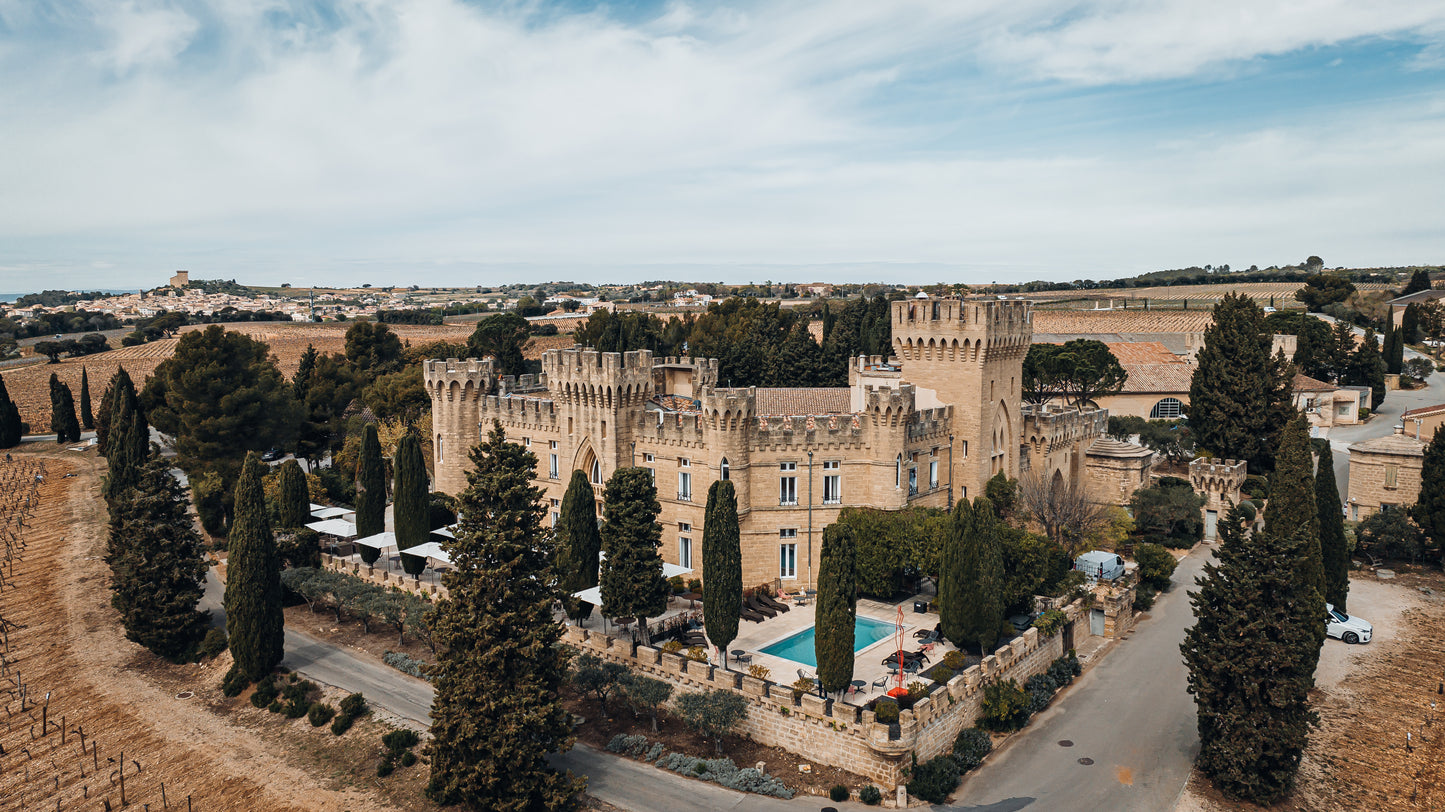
[[1249, 669], [1239, 393], [301, 381], [722, 566], [410, 513], [837, 608], [120, 385], [1419, 280], [631, 578], [578, 544], [253, 581], [1334, 553], [62, 412], [1367, 368], [10, 431], [1292, 502], [158, 563], [497, 713], [87, 418], [1429, 511], [370, 492], [974, 572], [294, 509], [1342, 351], [799, 361], [1410, 324]]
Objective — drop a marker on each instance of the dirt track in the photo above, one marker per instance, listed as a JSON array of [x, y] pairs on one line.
[[70, 646]]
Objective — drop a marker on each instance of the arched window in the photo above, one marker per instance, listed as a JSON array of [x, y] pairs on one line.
[[898, 472], [724, 470], [596, 472], [1167, 409], [440, 457]]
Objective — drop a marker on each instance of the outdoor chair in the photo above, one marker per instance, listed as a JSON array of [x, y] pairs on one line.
[[753, 604], [880, 682], [768, 601]]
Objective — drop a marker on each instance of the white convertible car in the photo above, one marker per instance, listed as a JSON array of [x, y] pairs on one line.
[[1348, 629]]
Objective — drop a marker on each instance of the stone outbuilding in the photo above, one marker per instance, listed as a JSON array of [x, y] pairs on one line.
[[1219, 481], [1117, 469], [1384, 473], [1421, 423]]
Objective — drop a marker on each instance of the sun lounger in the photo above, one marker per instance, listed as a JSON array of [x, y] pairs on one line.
[[768, 601], [753, 604]]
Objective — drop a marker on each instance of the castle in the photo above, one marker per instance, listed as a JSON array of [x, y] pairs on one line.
[[927, 427]]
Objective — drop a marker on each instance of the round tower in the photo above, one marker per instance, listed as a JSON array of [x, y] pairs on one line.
[[456, 389]]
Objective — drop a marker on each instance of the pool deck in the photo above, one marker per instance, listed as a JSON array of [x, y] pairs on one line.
[[868, 663]]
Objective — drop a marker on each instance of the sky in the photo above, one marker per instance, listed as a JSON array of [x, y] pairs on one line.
[[446, 142]]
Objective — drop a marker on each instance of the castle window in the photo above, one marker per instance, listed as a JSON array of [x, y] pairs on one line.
[[648, 458], [935, 311], [596, 472], [552, 466], [788, 483], [440, 456], [912, 481], [556, 513], [569, 425], [1167, 409], [684, 462], [724, 471], [604, 429], [526, 442], [788, 553], [684, 486], [964, 449], [932, 474], [832, 483], [898, 472], [1392, 475], [684, 551]]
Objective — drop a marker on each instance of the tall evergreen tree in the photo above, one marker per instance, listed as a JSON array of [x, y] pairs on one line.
[[631, 578], [1292, 502], [1410, 324], [62, 412], [301, 381], [1342, 351], [410, 514], [1247, 655], [158, 563], [253, 580], [1334, 552], [294, 509], [799, 361], [1394, 350], [837, 608], [120, 385], [722, 566], [87, 417], [1366, 367], [370, 492], [1239, 394], [578, 544], [129, 444], [1419, 280], [1429, 510], [973, 570], [10, 431], [497, 713]]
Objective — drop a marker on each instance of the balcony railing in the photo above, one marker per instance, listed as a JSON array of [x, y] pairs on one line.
[[684, 496], [787, 500]]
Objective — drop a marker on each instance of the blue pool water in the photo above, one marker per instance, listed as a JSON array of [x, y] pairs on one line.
[[799, 647]]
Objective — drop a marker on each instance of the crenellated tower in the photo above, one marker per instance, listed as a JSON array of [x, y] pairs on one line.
[[600, 397], [971, 352], [457, 389]]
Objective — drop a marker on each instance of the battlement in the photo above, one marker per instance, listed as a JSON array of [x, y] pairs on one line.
[[437, 371], [887, 399], [772, 429], [522, 384], [1054, 427], [952, 315], [1216, 475], [585, 365]]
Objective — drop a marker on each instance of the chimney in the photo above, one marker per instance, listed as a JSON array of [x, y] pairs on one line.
[[1400, 429]]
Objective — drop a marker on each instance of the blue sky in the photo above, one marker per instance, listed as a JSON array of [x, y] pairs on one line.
[[450, 142]]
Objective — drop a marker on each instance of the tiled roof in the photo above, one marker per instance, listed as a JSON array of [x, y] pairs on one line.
[[1425, 411], [1401, 444], [1109, 447], [801, 400], [1304, 383], [1142, 352], [1419, 296], [676, 403]]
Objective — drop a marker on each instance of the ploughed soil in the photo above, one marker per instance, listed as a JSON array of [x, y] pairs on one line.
[[1368, 698]]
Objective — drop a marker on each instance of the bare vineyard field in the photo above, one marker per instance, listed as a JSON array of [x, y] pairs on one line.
[[1283, 292], [288, 340], [1122, 321]]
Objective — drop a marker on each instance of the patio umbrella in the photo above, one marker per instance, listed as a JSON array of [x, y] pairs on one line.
[[592, 595], [668, 570], [334, 527], [380, 541], [430, 550], [330, 512]]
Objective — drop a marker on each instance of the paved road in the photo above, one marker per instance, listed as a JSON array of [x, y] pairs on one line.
[[1130, 713]]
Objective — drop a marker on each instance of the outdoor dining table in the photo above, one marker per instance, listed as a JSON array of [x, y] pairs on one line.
[[859, 685], [741, 655]]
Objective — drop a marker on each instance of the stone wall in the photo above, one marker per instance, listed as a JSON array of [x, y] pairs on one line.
[[383, 577], [844, 735]]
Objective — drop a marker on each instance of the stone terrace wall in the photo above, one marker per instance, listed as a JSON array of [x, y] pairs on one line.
[[383, 577], [843, 735]]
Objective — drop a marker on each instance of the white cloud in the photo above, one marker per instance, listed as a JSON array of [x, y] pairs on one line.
[[143, 35]]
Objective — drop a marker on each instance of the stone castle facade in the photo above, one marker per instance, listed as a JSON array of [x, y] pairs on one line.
[[924, 428]]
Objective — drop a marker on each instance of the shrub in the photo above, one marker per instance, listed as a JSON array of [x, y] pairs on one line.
[[1040, 688], [886, 712], [276, 706], [341, 724], [725, 773], [697, 654], [803, 685], [1257, 486], [399, 740], [211, 645], [759, 671], [672, 646], [1005, 706], [934, 779], [319, 714], [955, 661], [406, 664], [354, 705], [627, 745], [655, 752], [384, 768], [407, 759], [1064, 669], [1050, 622], [970, 747], [1156, 565], [839, 793], [870, 795], [917, 690], [234, 683], [941, 674], [677, 585], [694, 585], [265, 692], [1144, 598]]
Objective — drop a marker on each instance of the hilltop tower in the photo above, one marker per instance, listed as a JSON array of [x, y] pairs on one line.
[[599, 399], [971, 352]]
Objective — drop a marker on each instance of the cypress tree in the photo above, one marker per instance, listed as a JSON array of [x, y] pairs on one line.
[[1367, 368], [1334, 554], [295, 507], [1410, 324], [1394, 350], [837, 608], [1429, 511], [253, 581], [1292, 502], [1247, 655], [158, 564], [10, 430], [301, 381], [950, 574], [631, 578], [976, 568], [120, 384], [497, 713], [87, 418], [799, 360], [1239, 393], [62, 412], [129, 445], [370, 492], [722, 566], [578, 544], [411, 512]]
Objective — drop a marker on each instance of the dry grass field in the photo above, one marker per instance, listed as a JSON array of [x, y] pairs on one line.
[[1122, 321], [1283, 292]]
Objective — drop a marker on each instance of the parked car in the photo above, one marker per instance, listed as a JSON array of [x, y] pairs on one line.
[[1349, 629], [271, 455]]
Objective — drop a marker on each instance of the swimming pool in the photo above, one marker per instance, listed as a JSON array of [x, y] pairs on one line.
[[799, 647]]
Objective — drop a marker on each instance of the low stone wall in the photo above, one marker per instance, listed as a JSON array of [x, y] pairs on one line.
[[843, 735], [383, 577]]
